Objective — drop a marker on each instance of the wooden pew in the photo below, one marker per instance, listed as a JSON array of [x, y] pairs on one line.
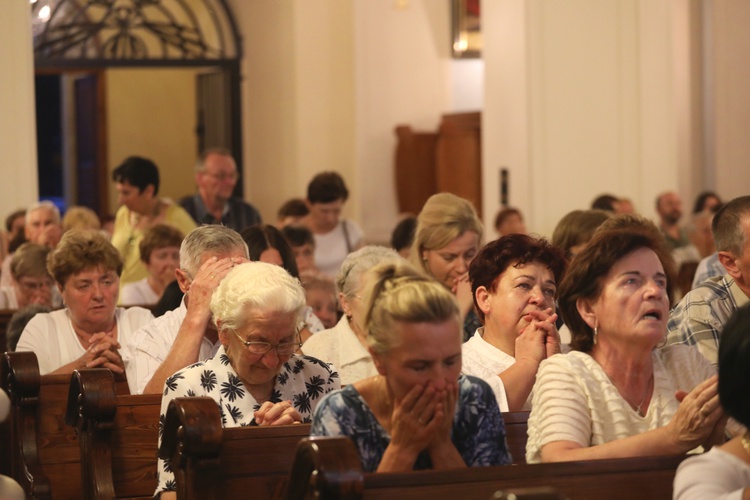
[[117, 436], [325, 467], [40, 451], [211, 462], [516, 424]]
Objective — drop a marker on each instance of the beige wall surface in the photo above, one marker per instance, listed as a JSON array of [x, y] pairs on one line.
[[582, 103], [151, 113], [17, 121], [728, 96]]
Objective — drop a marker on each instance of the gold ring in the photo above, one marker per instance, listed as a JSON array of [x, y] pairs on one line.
[[704, 411], [212, 276]]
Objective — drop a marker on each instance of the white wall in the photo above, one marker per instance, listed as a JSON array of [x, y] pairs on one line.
[[579, 101], [17, 118]]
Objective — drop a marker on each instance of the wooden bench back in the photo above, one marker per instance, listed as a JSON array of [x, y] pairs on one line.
[[337, 473], [516, 424], [117, 435], [211, 462], [43, 452]]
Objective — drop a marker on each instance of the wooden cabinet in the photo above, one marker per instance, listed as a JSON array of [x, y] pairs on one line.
[[449, 160]]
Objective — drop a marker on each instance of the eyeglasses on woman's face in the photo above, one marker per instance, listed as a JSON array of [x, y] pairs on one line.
[[260, 348]]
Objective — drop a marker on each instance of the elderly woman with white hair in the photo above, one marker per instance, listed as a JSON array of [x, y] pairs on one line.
[[255, 377], [345, 345]]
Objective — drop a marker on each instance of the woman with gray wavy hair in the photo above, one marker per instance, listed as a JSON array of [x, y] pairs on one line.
[[255, 377], [345, 345]]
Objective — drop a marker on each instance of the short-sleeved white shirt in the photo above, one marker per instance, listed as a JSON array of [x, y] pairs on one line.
[[483, 360], [52, 338]]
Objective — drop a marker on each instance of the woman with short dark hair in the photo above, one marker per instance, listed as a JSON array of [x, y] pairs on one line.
[[514, 282], [335, 238]]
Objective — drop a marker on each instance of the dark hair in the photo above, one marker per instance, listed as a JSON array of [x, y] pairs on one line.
[[516, 250], [727, 225], [586, 272], [403, 234], [12, 217], [700, 200], [504, 214], [605, 202], [298, 236], [577, 228], [296, 207], [327, 187], [138, 172], [261, 237], [734, 366]]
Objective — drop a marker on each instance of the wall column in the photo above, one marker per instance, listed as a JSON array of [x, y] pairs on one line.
[[19, 187]]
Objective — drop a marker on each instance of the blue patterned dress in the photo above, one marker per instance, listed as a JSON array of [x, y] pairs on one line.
[[303, 380], [478, 430]]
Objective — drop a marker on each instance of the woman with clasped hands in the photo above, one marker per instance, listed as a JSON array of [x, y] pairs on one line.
[[514, 280], [418, 412], [616, 394], [88, 333], [255, 377]]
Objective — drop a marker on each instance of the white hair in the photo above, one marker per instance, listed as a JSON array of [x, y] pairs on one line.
[[47, 205], [255, 286], [349, 277]]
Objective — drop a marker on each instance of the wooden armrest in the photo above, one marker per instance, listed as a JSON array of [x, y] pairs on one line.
[[329, 465]]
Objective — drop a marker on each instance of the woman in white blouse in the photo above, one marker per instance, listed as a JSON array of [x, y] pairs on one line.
[[88, 333], [616, 394], [345, 345], [514, 281]]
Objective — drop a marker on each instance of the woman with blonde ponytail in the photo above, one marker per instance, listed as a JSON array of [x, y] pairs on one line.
[[418, 412]]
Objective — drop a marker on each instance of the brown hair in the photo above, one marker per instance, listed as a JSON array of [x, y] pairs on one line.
[[516, 250], [159, 236], [584, 279], [80, 250]]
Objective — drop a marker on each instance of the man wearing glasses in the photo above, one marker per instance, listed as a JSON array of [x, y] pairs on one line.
[[216, 176]]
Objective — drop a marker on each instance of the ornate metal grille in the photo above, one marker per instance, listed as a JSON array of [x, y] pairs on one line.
[[135, 30]]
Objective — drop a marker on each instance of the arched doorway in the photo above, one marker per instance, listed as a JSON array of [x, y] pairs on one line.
[[83, 46]]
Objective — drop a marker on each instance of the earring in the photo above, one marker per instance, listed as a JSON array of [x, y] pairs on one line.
[[596, 330]]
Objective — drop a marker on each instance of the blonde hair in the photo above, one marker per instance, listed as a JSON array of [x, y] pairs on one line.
[[80, 218], [400, 293], [444, 217]]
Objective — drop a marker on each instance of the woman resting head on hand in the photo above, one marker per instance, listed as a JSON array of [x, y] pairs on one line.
[[616, 394], [255, 377], [447, 238], [418, 412], [724, 472], [514, 280]]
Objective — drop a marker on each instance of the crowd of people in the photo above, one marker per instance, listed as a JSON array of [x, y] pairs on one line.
[[621, 337]]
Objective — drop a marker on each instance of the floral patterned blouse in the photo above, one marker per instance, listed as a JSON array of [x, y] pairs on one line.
[[478, 430], [304, 380]]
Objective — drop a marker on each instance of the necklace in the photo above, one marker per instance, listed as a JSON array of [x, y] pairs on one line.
[[746, 442], [638, 408]]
